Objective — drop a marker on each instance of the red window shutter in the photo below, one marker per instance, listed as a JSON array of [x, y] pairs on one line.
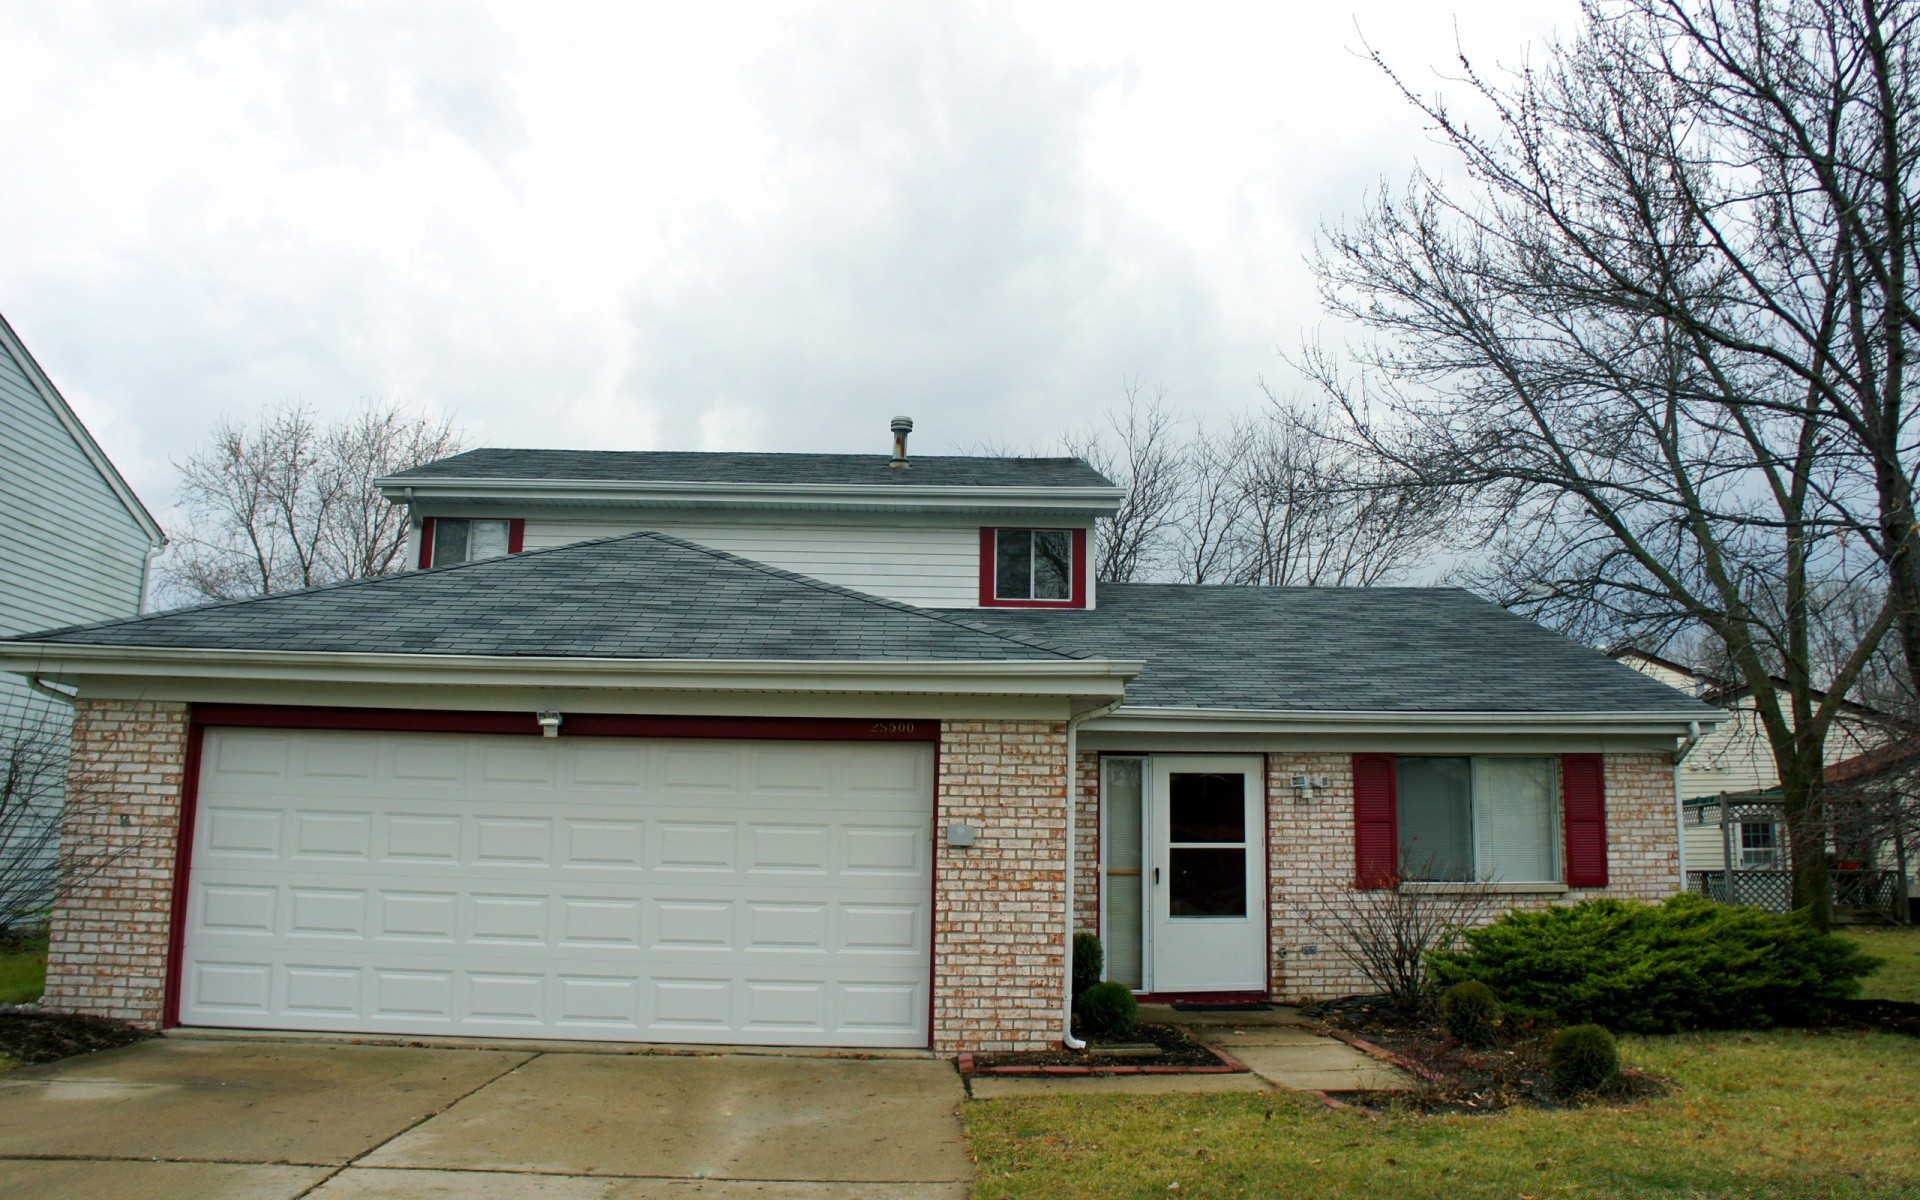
[[516, 535], [1376, 828], [426, 542], [1583, 789]]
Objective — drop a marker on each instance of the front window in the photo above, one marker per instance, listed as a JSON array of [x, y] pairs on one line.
[[1486, 820], [459, 540], [1759, 844], [1033, 564]]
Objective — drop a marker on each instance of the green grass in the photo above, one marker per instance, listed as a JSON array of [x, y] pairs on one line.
[[22, 975], [1766, 1114], [1899, 978]]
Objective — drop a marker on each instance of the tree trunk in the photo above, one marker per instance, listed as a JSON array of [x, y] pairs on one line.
[[1805, 813]]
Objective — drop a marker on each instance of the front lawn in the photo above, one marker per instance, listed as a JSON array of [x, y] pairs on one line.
[[1765, 1114], [1899, 978], [22, 974]]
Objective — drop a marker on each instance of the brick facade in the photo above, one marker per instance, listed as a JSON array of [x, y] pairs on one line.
[[999, 956], [109, 936], [1310, 860]]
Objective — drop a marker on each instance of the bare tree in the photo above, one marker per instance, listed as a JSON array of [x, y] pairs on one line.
[[1387, 932], [282, 502], [1613, 343], [1148, 461]]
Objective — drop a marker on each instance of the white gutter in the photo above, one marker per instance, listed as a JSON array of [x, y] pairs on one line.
[[1065, 677], [1680, 798], [1073, 867], [47, 689], [1136, 719]]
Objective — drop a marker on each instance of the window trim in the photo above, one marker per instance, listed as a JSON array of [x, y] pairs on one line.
[[516, 536], [1077, 583]]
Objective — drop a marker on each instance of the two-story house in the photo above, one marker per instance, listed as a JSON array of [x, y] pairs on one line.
[[817, 749], [75, 546]]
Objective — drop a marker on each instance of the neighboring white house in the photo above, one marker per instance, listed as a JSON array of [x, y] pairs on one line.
[[75, 544]]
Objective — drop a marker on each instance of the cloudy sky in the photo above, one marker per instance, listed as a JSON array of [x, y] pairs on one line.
[[692, 225]]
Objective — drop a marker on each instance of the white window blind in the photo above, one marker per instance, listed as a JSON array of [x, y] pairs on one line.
[[1516, 820]]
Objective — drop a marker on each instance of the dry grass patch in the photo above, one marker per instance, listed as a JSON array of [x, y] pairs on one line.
[[1768, 1114]]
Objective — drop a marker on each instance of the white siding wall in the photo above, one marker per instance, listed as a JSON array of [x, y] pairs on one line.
[[1735, 757], [70, 552], [934, 561]]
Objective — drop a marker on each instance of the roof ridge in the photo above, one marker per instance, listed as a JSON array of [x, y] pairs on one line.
[[855, 594]]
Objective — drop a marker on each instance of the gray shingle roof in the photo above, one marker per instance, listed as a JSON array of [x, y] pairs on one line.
[[1343, 649], [673, 466], [642, 595]]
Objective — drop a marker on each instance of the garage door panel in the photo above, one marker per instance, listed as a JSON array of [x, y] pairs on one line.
[[706, 892]]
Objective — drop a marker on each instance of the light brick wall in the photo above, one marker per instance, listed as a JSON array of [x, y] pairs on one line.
[[1310, 862], [1086, 846], [108, 955], [999, 958]]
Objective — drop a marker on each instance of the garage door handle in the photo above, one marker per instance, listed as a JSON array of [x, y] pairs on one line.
[[1156, 877]]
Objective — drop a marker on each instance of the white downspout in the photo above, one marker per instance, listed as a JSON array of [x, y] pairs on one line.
[[1680, 799], [1073, 819]]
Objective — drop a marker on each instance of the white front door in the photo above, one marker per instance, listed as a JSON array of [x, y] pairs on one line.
[[1207, 884]]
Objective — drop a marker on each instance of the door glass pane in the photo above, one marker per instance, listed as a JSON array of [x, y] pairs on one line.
[[1207, 882], [487, 539], [1052, 564], [449, 542], [1206, 808], [1013, 564], [1121, 855], [1436, 818], [1515, 819]]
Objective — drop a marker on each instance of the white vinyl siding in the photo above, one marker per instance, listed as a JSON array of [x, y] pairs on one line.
[[931, 564]]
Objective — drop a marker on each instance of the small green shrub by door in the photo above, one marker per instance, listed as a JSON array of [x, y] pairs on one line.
[[1687, 963], [1469, 1012], [1089, 963], [1582, 1059], [1108, 1010]]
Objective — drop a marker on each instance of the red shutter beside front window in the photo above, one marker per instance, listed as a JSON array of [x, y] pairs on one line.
[[1583, 788], [1376, 833]]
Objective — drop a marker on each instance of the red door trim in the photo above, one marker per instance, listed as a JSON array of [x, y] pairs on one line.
[[526, 724], [182, 865]]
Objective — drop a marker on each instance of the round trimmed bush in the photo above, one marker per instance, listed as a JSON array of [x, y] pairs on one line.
[[1582, 1058], [1468, 1010], [1089, 963], [1108, 1010]]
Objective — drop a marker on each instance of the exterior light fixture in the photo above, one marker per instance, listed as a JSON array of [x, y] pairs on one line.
[[549, 722]]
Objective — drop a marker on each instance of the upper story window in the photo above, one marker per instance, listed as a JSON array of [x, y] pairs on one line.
[[1465, 820], [1037, 567], [446, 541]]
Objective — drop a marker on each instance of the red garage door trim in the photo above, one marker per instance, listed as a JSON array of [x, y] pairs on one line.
[[400, 720]]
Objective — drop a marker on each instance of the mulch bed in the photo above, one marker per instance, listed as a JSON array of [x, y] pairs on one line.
[[1465, 1079], [1180, 1053], [1893, 1016], [37, 1037]]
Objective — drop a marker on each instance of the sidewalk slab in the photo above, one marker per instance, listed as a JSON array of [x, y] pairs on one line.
[[45, 1179], [1329, 1066], [266, 1102], [743, 1118]]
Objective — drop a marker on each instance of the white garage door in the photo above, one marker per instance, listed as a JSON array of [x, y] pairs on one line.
[[679, 891]]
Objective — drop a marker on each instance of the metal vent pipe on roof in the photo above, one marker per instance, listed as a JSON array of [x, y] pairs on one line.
[[902, 426]]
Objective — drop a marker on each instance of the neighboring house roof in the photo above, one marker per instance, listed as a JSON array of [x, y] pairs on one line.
[[673, 466], [1723, 692], [1344, 650], [638, 596], [1895, 755], [13, 347]]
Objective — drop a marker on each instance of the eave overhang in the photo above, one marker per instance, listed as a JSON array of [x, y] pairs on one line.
[[1148, 720], [837, 497], [72, 664]]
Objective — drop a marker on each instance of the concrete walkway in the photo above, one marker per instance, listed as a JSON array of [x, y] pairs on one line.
[[1280, 1051], [271, 1120]]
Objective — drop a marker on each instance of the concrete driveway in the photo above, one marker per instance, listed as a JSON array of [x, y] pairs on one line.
[[265, 1120]]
